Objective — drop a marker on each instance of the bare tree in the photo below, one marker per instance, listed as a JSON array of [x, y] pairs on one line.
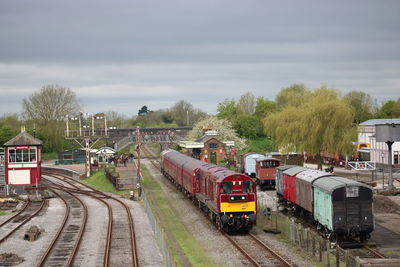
[[247, 104], [47, 109], [51, 103]]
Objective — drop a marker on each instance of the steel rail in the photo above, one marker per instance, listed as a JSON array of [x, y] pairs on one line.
[[376, 253], [271, 251], [72, 256], [106, 257], [24, 222], [135, 261], [15, 215], [250, 258]]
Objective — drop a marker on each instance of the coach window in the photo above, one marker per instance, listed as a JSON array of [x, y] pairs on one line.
[[226, 187], [247, 187]]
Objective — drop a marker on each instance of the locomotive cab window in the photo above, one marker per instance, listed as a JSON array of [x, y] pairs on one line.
[[226, 187], [247, 186]]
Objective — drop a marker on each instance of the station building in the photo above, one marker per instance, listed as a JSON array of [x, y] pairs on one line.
[[22, 162], [210, 148], [371, 150]]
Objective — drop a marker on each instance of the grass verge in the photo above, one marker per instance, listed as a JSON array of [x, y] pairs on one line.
[[99, 181], [2, 213], [281, 223], [183, 247]]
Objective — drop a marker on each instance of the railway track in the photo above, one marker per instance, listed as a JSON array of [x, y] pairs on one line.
[[249, 245], [28, 211], [65, 245], [256, 251], [119, 250], [366, 252]]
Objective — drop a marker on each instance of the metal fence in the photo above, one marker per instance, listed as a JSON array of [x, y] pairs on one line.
[[159, 232], [306, 239]]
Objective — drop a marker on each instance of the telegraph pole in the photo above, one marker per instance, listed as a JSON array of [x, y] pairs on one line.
[[138, 150]]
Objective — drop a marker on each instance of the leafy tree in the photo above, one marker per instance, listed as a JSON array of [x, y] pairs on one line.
[[259, 145], [323, 123], [248, 126], [47, 109], [362, 105], [223, 127], [227, 109], [6, 134], [246, 104], [293, 95], [265, 107], [391, 109], [143, 111]]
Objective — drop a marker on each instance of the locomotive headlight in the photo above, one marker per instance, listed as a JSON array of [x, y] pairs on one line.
[[232, 198], [243, 198]]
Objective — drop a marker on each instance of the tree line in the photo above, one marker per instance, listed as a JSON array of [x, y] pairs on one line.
[[298, 119]]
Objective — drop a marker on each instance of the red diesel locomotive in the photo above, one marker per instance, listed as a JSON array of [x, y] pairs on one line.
[[228, 198]]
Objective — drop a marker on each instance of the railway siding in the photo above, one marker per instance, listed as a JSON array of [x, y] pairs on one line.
[[147, 251]]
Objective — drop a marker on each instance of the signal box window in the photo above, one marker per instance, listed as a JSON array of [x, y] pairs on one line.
[[247, 187], [226, 188], [21, 155]]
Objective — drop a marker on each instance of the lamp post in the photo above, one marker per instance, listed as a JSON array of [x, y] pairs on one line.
[[138, 160], [388, 133]]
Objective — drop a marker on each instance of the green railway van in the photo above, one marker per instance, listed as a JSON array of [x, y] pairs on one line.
[[343, 207]]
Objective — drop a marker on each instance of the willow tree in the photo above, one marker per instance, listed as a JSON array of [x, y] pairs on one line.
[[322, 123], [293, 95]]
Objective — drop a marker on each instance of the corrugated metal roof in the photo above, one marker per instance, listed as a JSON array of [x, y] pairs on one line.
[[285, 167], [373, 122], [311, 175], [294, 170], [330, 183], [24, 139]]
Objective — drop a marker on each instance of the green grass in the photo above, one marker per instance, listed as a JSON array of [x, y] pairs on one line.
[[99, 181], [2, 213], [182, 245], [50, 155]]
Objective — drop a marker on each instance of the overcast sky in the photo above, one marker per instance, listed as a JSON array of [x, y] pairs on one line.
[[121, 55]]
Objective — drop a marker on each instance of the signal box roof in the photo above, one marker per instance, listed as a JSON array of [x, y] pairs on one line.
[[24, 139]]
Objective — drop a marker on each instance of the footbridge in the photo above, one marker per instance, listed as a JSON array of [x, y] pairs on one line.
[[166, 137]]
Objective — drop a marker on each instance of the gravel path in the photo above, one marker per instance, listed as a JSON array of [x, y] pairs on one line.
[[219, 249]]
